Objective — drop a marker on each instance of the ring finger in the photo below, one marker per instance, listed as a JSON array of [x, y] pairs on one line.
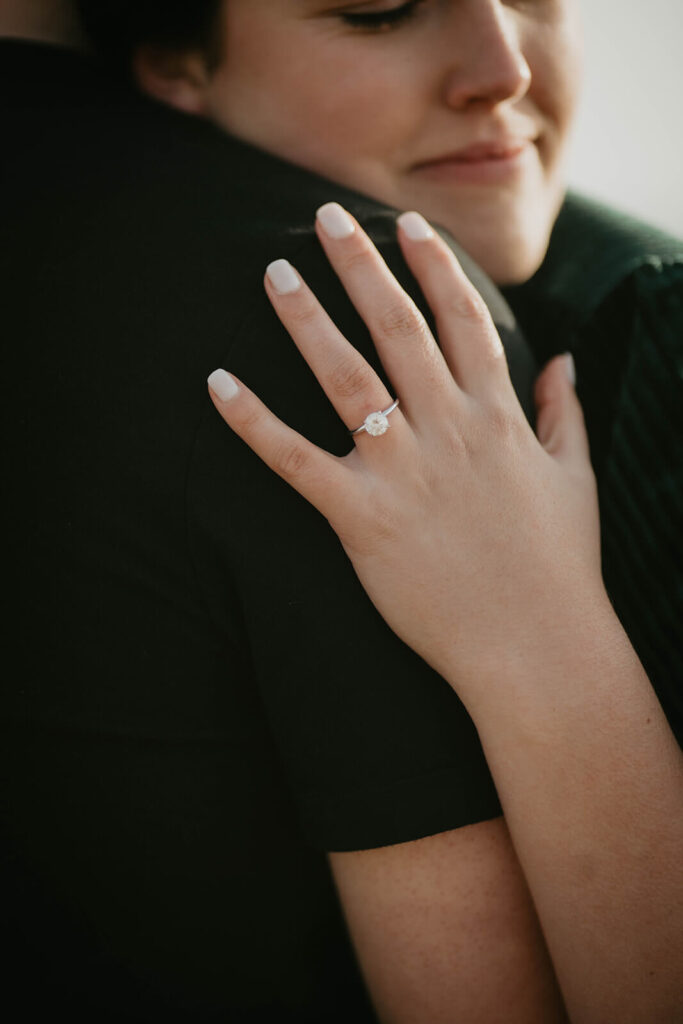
[[351, 384]]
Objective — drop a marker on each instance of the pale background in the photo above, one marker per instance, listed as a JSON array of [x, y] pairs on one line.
[[628, 142]]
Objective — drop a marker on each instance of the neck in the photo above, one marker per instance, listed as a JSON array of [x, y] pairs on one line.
[[45, 21]]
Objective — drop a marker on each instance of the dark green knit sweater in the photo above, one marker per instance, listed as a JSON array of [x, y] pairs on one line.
[[611, 291]]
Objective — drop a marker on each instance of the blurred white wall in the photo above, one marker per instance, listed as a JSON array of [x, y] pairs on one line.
[[628, 142]]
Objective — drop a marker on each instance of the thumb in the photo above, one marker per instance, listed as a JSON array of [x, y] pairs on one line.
[[560, 424]]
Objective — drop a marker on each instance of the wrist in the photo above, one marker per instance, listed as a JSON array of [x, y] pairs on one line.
[[567, 648]]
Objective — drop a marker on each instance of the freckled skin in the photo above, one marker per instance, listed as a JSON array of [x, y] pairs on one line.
[[363, 107]]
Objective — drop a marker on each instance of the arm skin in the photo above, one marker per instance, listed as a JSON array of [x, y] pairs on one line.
[[445, 931], [590, 778], [518, 621], [445, 928]]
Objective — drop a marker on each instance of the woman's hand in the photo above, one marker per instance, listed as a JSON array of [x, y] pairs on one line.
[[479, 543], [473, 537]]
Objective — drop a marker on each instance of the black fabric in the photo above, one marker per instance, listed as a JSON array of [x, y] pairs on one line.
[[199, 699]]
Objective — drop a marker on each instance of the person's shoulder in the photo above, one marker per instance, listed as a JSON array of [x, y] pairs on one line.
[[582, 216], [595, 247], [637, 264], [597, 259]]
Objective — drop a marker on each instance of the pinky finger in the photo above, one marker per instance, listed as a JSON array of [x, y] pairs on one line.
[[318, 476]]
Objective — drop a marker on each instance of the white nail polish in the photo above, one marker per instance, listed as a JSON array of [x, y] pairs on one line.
[[223, 385], [415, 227], [283, 277], [335, 221]]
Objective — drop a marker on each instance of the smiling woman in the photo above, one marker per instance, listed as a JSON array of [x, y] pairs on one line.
[[459, 110], [458, 726]]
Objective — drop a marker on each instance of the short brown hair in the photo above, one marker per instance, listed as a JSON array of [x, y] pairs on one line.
[[118, 27]]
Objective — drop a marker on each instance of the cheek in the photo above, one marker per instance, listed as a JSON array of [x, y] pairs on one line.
[[309, 107], [555, 55]]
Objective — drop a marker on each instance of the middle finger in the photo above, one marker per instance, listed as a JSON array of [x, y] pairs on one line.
[[404, 342]]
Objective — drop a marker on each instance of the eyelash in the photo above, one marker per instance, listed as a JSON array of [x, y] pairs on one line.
[[382, 20]]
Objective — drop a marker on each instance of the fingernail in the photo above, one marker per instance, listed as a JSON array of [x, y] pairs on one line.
[[335, 221], [571, 368], [415, 226], [223, 385], [283, 277]]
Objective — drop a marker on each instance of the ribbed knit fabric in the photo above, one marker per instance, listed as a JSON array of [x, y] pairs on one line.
[[611, 292]]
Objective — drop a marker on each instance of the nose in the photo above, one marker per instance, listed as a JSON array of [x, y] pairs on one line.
[[489, 67]]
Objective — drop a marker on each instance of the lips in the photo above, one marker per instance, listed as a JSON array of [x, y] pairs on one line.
[[479, 152], [505, 161]]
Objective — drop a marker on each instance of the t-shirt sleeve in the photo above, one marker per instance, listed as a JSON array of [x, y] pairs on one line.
[[376, 746], [642, 488]]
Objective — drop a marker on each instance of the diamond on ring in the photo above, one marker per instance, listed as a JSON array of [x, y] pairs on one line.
[[376, 423]]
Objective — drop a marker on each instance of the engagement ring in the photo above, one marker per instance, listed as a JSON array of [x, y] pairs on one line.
[[376, 423]]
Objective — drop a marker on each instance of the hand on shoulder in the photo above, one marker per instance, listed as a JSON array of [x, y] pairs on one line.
[[471, 534]]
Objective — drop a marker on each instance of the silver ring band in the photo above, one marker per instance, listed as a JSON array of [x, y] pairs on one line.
[[376, 423]]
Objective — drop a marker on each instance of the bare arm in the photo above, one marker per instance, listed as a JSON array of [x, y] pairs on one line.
[[445, 931], [479, 542], [445, 928], [590, 778]]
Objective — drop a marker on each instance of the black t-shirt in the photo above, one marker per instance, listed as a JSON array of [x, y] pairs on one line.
[[199, 698]]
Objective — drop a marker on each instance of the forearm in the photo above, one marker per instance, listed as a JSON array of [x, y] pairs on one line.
[[591, 782], [588, 772]]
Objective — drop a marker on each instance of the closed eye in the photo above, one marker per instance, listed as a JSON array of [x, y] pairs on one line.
[[387, 18]]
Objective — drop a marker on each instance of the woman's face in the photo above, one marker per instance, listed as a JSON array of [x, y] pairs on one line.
[[457, 108]]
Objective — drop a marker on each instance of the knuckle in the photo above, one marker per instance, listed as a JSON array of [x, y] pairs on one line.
[[503, 419], [249, 419], [444, 258], [401, 320], [456, 448], [497, 354], [289, 460], [467, 304], [350, 378], [303, 314], [356, 259], [455, 442]]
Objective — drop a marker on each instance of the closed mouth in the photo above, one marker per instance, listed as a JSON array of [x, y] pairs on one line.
[[480, 152]]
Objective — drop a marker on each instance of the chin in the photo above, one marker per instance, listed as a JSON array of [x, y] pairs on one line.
[[507, 264], [509, 240], [510, 268], [512, 254]]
